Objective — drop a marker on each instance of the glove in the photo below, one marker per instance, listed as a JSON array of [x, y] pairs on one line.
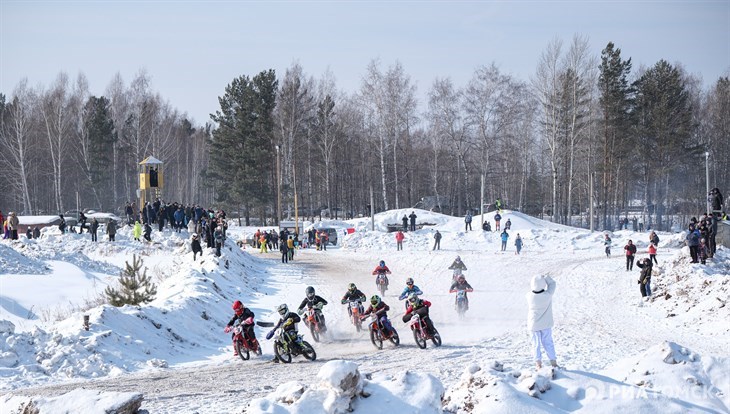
[[300, 311], [270, 334], [227, 329], [343, 301], [319, 306], [248, 321]]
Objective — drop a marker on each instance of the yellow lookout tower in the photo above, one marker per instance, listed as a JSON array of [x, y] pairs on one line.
[[150, 180]]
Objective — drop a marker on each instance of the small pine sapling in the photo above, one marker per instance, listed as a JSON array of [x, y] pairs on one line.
[[134, 288]]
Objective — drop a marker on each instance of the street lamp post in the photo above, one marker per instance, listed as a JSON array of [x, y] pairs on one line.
[[707, 181], [278, 186]]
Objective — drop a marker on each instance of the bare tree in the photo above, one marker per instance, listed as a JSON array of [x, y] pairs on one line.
[[547, 87], [57, 114], [17, 142], [447, 120]]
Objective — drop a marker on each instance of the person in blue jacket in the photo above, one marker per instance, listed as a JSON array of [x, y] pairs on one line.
[[504, 237], [410, 288]]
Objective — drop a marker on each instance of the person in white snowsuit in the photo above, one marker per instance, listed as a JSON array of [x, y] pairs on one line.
[[540, 318]]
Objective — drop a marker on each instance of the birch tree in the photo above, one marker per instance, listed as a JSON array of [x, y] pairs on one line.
[[57, 114], [17, 142]]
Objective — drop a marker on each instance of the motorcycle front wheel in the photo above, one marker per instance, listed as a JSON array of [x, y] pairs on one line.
[[315, 331], [281, 352], [376, 338], [420, 341], [241, 350]]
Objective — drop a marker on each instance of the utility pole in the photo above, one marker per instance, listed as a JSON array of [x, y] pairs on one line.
[[278, 187], [707, 181]]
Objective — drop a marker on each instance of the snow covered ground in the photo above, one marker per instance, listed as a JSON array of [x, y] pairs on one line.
[[617, 353]]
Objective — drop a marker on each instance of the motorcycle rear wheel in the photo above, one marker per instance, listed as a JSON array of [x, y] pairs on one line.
[[307, 351], [395, 339], [436, 337]]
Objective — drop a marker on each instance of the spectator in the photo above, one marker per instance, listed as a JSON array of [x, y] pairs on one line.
[[405, 223], [93, 228], [413, 220], [693, 242], [62, 224], [82, 222], [540, 318], [508, 224], [399, 236], [36, 233], [467, 221], [717, 200], [147, 232], [284, 252], [518, 243], [497, 218], [195, 244], [504, 236], [437, 241], [111, 230], [645, 278], [630, 250], [13, 223], [29, 234], [652, 253], [607, 243], [486, 226]]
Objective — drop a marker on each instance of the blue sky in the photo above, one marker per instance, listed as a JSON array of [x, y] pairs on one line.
[[193, 49]]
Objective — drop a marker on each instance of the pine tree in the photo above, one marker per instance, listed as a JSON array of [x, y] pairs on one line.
[[135, 288]]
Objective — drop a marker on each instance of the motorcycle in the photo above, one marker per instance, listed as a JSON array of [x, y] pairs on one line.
[[286, 347], [461, 303], [355, 308], [456, 274], [378, 334], [311, 321], [381, 281], [420, 333], [243, 344]]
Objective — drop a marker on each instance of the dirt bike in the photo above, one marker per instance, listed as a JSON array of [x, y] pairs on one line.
[[378, 334], [311, 321], [355, 311], [381, 281], [242, 344], [461, 303], [420, 333], [286, 347]]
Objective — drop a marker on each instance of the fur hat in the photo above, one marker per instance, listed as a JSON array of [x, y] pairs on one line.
[[538, 283]]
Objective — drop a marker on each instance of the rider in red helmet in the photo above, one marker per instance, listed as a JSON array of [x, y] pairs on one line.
[[245, 315], [382, 269]]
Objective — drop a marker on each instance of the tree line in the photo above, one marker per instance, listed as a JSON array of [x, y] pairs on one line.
[[584, 130]]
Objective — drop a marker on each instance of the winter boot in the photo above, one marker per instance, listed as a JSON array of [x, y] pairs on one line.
[[553, 363], [275, 360], [235, 350], [539, 364]]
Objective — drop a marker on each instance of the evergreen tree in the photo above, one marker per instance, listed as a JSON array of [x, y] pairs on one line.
[[101, 139], [615, 102], [242, 148], [664, 115], [134, 288]]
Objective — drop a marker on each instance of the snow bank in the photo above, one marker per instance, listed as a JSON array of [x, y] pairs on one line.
[[342, 389], [76, 401]]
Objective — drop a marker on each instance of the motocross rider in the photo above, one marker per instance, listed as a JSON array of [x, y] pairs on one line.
[[353, 293], [245, 316], [457, 266], [380, 309], [410, 288], [461, 284], [289, 322], [382, 269], [420, 307], [315, 301]]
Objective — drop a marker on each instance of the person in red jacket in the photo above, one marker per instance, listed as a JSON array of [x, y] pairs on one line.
[[419, 307], [652, 253], [399, 239], [630, 250]]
